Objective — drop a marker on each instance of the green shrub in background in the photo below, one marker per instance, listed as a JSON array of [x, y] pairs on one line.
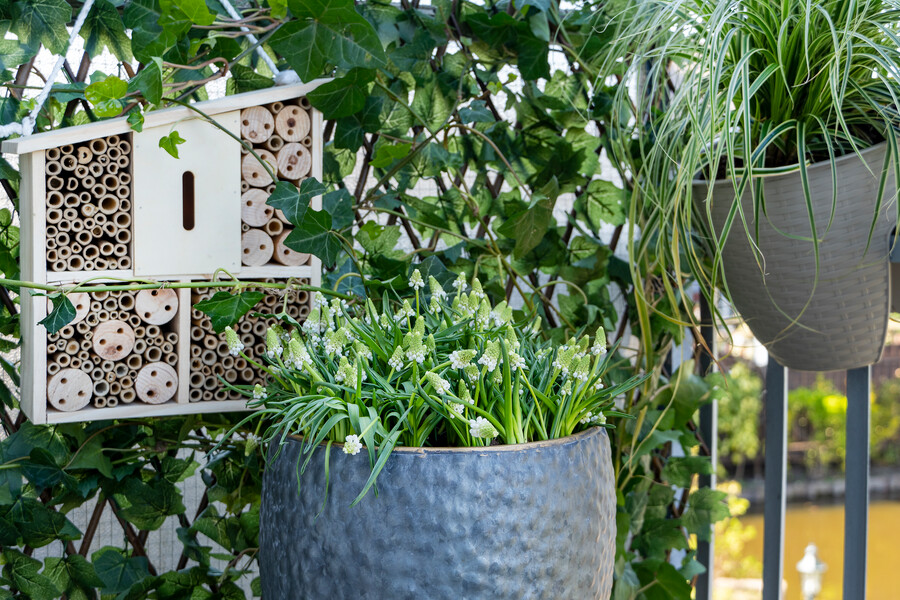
[[818, 418], [459, 96], [739, 393]]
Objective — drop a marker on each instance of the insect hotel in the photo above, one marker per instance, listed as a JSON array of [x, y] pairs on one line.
[[102, 203]]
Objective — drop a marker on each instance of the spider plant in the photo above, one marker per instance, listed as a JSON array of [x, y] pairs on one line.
[[743, 90]]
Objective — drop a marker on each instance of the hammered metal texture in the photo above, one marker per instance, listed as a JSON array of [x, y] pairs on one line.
[[841, 319], [506, 522]]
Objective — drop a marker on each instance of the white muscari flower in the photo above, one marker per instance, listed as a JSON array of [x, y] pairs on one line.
[[415, 281], [563, 360], [385, 321], [396, 360], [455, 409], [334, 342], [583, 370], [299, 354], [405, 311], [491, 356], [477, 289], [599, 385], [480, 427], [511, 337], [471, 372], [516, 361], [319, 300], [460, 283], [435, 305], [259, 392], [234, 342], [460, 359], [599, 346], [592, 419], [352, 445], [273, 343], [362, 350], [345, 372], [502, 314], [483, 314], [437, 290], [440, 385]]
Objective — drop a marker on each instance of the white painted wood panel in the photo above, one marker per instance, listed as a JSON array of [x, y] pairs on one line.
[[162, 246], [80, 133]]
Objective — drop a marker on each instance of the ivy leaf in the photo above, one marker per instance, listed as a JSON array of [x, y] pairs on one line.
[[149, 82], [278, 8], [106, 95], [294, 202], [339, 204], [315, 236], [24, 573], [705, 507], [195, 11], [343, 96], [225, 308], [67, 573], [245, 79], [476, 112], [387, 153], [148, 38], [680, 470], [327, 32], [13, 54], [117, 571], [136, 120], [103, 28], [433, 104], [602, 202], [170, 142], [62, 314], [42, 22], [149, 504], [528, 227]]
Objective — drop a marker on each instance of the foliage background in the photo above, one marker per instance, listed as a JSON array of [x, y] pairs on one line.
[[502, 110]]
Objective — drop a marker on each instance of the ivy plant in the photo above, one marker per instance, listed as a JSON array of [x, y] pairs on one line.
[[460, 137]]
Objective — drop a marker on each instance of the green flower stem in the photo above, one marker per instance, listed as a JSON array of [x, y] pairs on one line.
[[234, 284], [263, 367]]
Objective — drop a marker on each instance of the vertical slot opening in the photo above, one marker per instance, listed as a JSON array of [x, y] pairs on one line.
[[187, 200]]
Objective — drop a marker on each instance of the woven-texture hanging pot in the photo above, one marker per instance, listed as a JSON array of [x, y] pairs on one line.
[[811, 318]]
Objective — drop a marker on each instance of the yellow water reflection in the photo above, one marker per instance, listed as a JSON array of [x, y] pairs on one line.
[[824, 527]]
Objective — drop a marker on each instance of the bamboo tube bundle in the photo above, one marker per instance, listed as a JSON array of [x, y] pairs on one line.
[[254, 173], [53, 167], [257, 124], [156, 383], [274, 143], [292, 123], [254, 210], [294, 161], [256, 247]]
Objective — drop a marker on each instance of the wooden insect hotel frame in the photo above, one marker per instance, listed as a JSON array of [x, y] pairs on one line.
[[102, 203]]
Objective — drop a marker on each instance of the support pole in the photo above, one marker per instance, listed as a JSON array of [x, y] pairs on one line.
[[776, 479], [856, 499]]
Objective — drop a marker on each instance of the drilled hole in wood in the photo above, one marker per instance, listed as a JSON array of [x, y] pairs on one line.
[[63, 380], [153, 373], [245, 122], [120, 330]]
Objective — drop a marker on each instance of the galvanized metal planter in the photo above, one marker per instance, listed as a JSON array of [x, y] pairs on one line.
[[837, 320], [506, 522]]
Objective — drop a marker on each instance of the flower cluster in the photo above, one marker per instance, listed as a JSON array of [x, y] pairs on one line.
[[443, 366]]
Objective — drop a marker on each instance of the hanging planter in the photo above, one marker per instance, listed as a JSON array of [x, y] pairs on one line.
[[813, 317], [520, 521]]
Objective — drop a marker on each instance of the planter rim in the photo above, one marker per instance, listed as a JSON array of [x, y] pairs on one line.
[[812, 167], [575, 437]]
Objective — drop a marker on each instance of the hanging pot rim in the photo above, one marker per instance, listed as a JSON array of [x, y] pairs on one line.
[[810, 169]]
